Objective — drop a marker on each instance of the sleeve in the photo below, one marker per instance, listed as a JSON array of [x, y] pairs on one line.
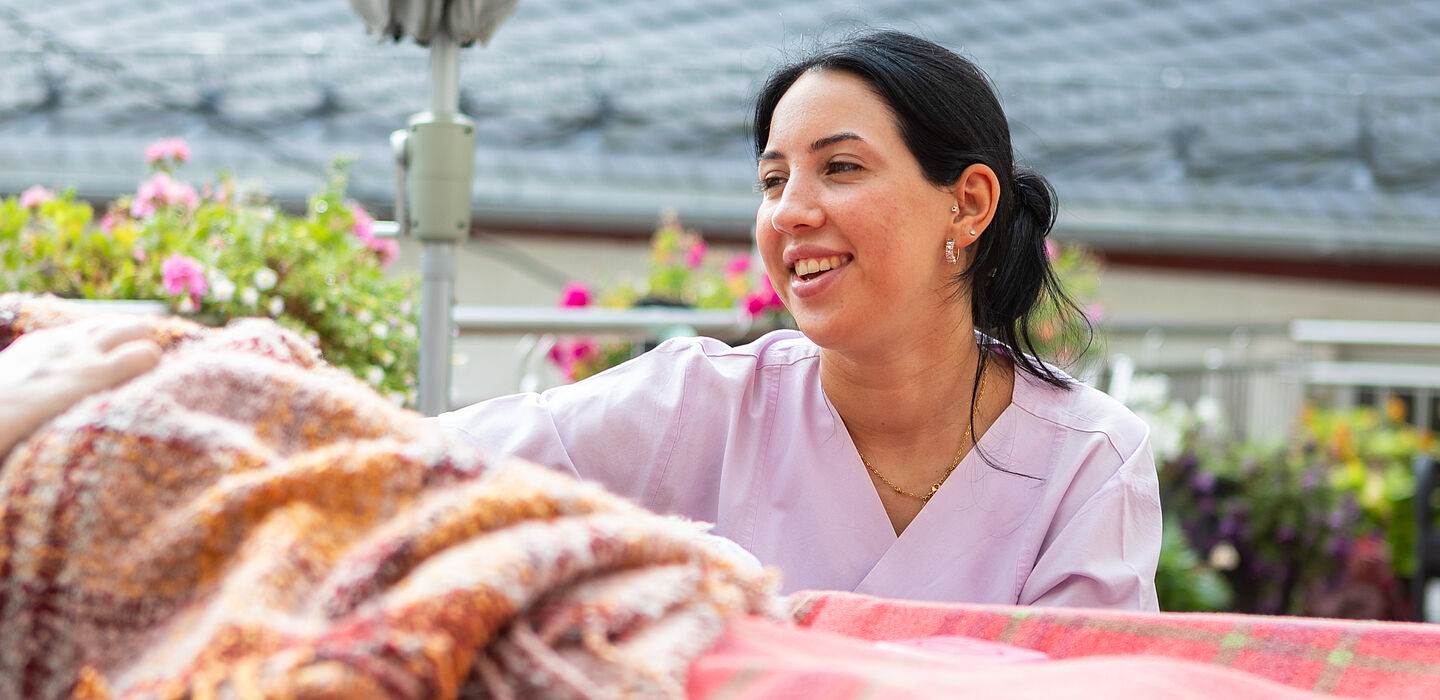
[[1106, 554], [619, 428]]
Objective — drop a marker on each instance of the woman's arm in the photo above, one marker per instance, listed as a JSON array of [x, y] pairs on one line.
[[619, 428], [1105, 556]]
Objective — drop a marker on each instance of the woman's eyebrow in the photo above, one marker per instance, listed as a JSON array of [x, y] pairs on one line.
[[817, 144]]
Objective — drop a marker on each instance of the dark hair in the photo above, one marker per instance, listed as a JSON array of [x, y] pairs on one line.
[[950, 119]]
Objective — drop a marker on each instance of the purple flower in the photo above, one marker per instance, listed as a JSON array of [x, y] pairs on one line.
[[1285, 532], [1228, 527], [1339, 547], [1203, 482]]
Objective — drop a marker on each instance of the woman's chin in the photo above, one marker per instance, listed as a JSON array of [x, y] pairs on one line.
[[820, 330]]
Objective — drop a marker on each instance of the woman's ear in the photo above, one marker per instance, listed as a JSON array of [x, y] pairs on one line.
[[977, 196]]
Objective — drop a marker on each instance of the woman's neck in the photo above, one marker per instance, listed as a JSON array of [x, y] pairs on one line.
[[905, 395]]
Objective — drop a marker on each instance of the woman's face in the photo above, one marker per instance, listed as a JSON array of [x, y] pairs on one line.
[[852, 234]]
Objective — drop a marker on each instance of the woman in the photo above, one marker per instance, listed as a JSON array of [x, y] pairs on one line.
[[903, 443]]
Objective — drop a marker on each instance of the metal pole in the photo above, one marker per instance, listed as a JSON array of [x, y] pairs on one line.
[[437, 294], [444, 74], [437, 256]]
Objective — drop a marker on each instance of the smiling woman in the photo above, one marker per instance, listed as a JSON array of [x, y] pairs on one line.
[[905, 442]]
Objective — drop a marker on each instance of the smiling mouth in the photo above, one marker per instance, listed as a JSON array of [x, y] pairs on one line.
[[810, 268]]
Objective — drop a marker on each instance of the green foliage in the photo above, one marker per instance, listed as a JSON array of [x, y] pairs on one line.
[[1183, 581], [219, 254]]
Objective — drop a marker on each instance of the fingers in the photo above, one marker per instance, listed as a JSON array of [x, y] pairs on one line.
[[128, 360], [109, 333], [44, 372]]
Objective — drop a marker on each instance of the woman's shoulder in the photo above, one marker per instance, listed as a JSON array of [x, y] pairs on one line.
[[1080, 408]]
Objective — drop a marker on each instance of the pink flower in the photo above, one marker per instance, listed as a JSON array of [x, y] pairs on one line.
[[107, 222], [575, 294], [183, 274], [386, 247], [159, 191], [182, 193], [155, 188], [1095, 312], [695, 255], [568, 354], [219, 193], [1052, 251], [141, 208], [364, 227], [763, 299], [173, 148], [738, 265], [150, 196], [35, 196], [139, 254]]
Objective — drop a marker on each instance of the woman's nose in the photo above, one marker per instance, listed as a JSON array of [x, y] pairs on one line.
[[798, 210]]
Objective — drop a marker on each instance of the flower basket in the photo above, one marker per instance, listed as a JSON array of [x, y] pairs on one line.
[[220, 252]]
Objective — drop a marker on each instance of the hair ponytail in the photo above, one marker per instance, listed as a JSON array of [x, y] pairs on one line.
[[1011, 278]]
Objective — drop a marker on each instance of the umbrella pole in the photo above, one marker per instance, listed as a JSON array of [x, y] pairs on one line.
[[437, 256]]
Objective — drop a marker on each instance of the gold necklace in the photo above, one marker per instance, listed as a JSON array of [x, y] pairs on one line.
[[964, 442]]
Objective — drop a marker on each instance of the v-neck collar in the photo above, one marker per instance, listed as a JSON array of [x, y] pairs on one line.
[[899, 558]]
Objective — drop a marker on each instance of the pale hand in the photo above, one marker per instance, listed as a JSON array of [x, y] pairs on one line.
[[44, 372]]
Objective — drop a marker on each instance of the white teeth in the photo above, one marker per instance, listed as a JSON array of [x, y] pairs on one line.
[[810, 266]]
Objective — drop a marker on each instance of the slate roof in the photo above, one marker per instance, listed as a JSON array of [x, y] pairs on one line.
[[1303, 128]]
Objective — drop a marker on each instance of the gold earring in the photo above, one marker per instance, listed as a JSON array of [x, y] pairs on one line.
[[950, 251]]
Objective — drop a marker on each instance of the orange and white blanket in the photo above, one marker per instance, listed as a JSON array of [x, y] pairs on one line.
[[245, 521]]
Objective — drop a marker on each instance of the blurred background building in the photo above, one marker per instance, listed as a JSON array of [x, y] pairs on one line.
[[1239, 164]]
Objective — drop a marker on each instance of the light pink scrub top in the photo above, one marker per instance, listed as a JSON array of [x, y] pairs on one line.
[[745, 438]]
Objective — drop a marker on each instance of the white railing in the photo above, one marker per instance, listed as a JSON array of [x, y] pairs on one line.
[[503, 320], [1261, 373]]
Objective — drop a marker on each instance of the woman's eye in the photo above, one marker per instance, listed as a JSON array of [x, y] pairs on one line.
[[769, 182], [840, 166]]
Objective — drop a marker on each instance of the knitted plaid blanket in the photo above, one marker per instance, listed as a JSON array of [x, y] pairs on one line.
[[246, 521]]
